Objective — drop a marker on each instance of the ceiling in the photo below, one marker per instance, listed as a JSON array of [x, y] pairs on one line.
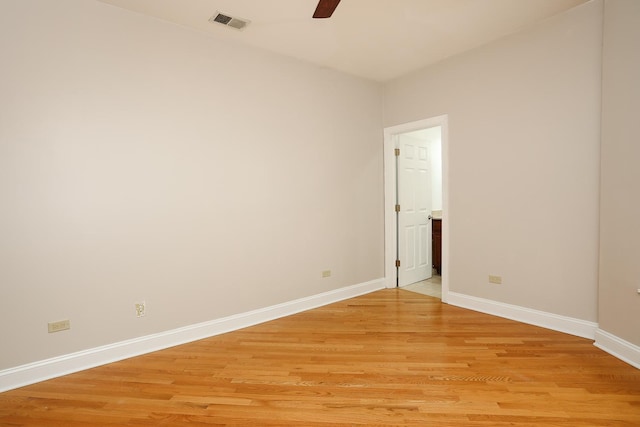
[[375, 39]]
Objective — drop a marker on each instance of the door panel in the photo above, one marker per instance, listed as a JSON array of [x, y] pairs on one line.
[[414, 197], [410, 233]]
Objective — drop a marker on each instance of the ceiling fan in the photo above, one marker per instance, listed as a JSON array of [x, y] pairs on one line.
[[325, 8]]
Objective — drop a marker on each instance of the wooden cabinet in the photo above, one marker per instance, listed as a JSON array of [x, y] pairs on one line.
[[436, 244]]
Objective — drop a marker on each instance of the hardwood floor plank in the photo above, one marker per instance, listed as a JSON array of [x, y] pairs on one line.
[[391, 357]]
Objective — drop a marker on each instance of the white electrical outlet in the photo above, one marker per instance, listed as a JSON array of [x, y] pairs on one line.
[[496, 280], [140, 309], [61, 325], [326, 273]]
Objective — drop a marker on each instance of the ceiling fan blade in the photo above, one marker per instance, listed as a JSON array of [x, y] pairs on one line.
[[325, 8]]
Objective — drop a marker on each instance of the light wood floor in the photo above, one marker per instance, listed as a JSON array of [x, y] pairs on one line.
[[392, 357]]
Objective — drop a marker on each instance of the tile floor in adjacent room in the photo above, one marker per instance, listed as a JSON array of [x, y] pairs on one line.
[[431, 287]]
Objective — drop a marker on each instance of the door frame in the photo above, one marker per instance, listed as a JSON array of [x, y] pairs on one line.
[[390, 231]]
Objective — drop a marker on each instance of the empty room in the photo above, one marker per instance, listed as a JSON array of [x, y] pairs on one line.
[[315, 213]]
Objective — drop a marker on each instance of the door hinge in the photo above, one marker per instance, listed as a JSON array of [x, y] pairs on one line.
[[397, 263], [397, 152], [397, 208]]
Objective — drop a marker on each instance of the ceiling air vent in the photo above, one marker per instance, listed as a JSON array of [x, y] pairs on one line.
[[229, 21]]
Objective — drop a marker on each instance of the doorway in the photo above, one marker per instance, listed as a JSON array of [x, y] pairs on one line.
[[408, 180]]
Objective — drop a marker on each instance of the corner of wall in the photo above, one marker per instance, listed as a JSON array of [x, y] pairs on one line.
[[623, 350]]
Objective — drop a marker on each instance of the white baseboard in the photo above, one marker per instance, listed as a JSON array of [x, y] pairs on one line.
[[618, 347], [569, 325], [58, 366]]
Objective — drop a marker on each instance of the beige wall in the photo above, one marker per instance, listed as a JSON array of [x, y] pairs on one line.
[[524, 125], [141, 160], [619, 303]]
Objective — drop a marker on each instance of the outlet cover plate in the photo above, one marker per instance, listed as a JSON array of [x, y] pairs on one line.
[[61, 325], [140, 309], [496, 280]]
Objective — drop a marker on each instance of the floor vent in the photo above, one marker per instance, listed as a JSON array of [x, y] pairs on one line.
[[229, 21]]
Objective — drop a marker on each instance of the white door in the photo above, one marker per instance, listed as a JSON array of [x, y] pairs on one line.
[[414, 217]]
